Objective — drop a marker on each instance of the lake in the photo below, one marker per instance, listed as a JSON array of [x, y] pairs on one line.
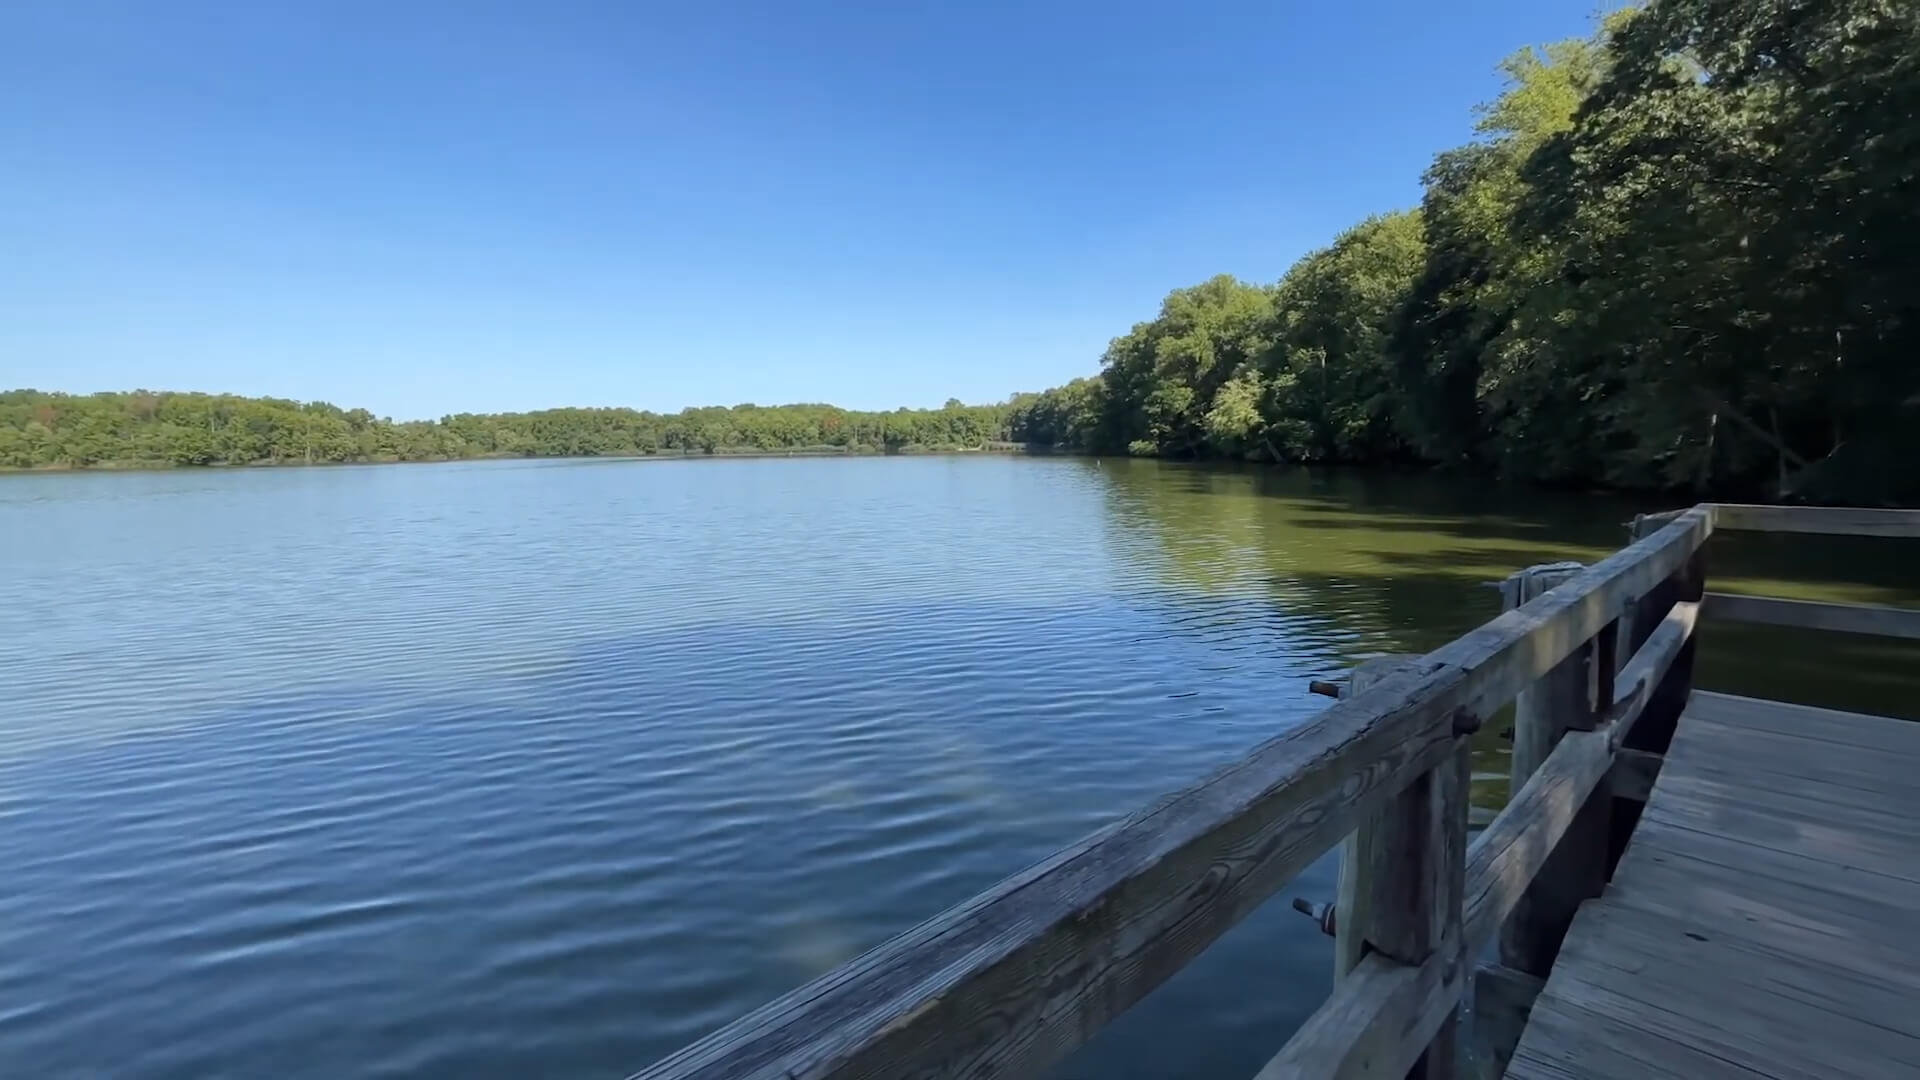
[[549, 767]]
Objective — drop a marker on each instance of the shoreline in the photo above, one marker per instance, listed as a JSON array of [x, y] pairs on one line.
[[1652, 498], [692, 455]]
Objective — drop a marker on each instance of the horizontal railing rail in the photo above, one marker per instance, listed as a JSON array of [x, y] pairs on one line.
[[1826, 520], [1876, 619], [1813, 615], [1015, 978]]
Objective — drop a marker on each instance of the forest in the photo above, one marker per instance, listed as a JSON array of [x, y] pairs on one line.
[[144, 428], [1680, 254]]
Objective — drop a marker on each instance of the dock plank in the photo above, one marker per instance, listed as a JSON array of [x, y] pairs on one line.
[[1758, 755], [1710, 858], [1566, 1042], [1829, 727], [1765, 919]]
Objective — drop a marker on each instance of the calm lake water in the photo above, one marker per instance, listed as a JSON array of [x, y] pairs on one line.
[[547, 768]]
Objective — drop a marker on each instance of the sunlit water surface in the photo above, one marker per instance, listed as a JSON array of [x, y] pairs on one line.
[[547, 768]]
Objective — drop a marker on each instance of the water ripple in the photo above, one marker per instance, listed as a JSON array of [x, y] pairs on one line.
[[507, 768]]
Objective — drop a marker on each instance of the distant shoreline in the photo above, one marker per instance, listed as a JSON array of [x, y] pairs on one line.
[[663, 455]]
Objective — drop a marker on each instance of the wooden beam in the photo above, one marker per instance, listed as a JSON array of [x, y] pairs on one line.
[[1506, 654], [1634, 685], [1448, 865], [1366, 847], [1574, 695], [1507, 856], [1654, 721], [1534, 732], [1633, 631], [1409, 889], [1378, 1023], [1574, 871], [1645, 525], [1813, 615], [1378, 1019], [1633, 774], [1831, 520], [1502, 1000], [1364, 674], [1015, 978], [1412, 891]]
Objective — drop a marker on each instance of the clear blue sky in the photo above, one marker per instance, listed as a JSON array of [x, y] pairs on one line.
[[430, 206]]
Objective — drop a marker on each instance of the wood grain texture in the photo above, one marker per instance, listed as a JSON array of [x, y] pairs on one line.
[[1835, 521], [1394, 1011], [1410, 883], [1437, 823], [1811, 615], [1509, 853], [1570, 697], [1637, 619], [1013, 979], [1361, 848], [1728, 713], [1379, 1023], [1765, 921], [1379, 1019]]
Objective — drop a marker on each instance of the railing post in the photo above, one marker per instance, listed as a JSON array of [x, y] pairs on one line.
[[1654, 730], [1357, 852], [1573, 696], [1402, 876]]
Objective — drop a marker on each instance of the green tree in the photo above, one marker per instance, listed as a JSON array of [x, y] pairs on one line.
[[143, 427], [1332, 390], [1461, 361], [1737, 210], [1162, 377]]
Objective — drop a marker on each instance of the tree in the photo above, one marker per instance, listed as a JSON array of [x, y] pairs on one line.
[[1739, 216], [1460, 361], [1162, 377], [1332, 387], [41, 429]]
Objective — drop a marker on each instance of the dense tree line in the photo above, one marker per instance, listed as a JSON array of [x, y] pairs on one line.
[[1684, 253], [142, 428]]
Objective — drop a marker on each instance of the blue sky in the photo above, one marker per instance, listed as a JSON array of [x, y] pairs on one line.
[[423, 206]]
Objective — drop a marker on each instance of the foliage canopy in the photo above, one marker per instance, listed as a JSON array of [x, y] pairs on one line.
[[1683, 253], [39, 429]]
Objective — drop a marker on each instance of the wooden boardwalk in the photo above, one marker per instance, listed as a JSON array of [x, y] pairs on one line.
[[1765, 918]]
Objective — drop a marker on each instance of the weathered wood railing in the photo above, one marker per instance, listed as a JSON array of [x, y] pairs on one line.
[[1848, 618], [1013, 979]]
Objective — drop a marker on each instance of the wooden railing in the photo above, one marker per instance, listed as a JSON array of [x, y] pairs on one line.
[[1015, 978], [1847, 618]]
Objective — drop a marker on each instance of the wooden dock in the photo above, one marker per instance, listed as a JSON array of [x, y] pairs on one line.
[[1681, 885], [1765, 920]]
